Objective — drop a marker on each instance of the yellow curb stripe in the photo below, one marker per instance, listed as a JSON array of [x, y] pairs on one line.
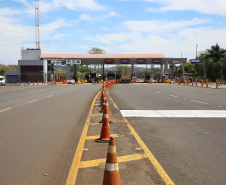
[[97, 162], [72, 175], [98, 136]]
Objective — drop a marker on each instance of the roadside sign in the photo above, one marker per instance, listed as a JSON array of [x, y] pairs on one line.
[[157, 61], [195, 61], [125, 61]]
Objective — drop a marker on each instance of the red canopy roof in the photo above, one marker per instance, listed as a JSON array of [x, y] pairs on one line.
[[81, 56]]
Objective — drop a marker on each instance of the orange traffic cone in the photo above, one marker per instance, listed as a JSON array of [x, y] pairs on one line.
[[111, 173], [105, 130], [106, 111], [103, 104]]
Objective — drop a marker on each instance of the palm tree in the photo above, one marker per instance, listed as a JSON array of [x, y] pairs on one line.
[[215, 53], [214, 66]]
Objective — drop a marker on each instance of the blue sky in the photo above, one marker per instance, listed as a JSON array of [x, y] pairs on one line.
[[117, 26]]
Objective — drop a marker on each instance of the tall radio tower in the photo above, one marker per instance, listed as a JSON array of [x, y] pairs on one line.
[[37, 24]]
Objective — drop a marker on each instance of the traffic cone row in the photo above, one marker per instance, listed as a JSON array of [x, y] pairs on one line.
[[111, 173]]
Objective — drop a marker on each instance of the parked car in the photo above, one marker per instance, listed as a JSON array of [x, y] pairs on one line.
[[70, 81], [2, 80]]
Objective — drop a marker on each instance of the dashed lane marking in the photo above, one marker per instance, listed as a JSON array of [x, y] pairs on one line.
[[5, 109], [158, 92], [199, 102], [33, 101], [49, 96], [172, 95]]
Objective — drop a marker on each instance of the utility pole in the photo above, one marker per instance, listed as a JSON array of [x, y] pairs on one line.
[[37, 35], [196, 50]]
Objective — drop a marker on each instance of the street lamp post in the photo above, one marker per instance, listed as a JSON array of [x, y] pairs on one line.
[[196, 50]]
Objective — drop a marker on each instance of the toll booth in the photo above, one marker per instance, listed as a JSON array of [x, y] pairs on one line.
[[90, 76]]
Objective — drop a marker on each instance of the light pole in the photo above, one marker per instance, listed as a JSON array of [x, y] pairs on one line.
[[196, 50]]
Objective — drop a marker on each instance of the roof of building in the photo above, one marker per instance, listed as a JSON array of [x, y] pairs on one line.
[[81, 56]]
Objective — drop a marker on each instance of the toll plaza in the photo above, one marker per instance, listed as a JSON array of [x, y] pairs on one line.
[[36, 67], [105, 59]]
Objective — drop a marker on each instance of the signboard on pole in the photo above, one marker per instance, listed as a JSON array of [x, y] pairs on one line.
[[195, 61]]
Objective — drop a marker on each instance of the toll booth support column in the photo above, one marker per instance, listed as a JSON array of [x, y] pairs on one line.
[[45, 70], [166, 70], [103, 72], [68, 71], [74, 72], [132, 73], [161, 71]]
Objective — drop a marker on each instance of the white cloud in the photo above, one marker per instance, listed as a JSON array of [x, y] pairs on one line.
[[141, 37], [14, 35], [89, 17], [113, 38], [88, 5], [161, 26], [215, 7], [9, 12]]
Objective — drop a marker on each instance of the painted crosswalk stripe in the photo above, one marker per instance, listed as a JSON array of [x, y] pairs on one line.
[[174, 113]]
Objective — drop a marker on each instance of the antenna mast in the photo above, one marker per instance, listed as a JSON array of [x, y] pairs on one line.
[[37, 24]]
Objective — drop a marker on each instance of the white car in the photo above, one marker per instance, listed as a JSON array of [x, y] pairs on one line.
[[2, 80], [70, 81]]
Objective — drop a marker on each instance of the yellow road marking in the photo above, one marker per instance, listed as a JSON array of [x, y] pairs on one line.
[[97, 162], [97, 115], [151, 157], [95, 123], [98, 136], [71, 179]]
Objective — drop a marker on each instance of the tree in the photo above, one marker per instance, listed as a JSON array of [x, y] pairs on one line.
[[215, 53], [213, 61], [96, 50]]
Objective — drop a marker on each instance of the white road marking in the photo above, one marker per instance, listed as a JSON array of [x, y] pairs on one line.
[[173, 95], [33, 101], [199, 102], [174, 113], [6, 109], [49, 96], [158, 92]]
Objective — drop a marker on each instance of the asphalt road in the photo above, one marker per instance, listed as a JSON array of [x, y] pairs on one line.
[[191, 150], [40, 129], [41, 126]]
